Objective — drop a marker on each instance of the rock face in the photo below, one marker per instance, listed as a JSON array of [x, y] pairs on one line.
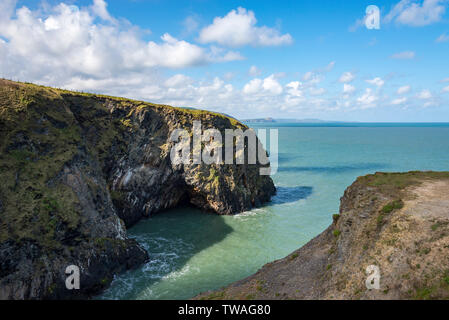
[[77, 169], [397, 222]]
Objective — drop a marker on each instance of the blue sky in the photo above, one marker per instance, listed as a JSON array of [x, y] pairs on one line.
[[301, 59]]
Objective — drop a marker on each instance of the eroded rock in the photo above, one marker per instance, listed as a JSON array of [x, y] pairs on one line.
[[77, 169]]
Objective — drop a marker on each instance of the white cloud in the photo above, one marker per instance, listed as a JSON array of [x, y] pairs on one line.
[[429, 104], [271, 85], [294, 85], [445, 80], [178, 80], [229, 76], [348, 89], [69, 41], [294, 96], [317, 91], [6, 9], [368, 99], [417, 13], [445, 89], [221, 55], [293, 89], [280, 75], [406, 55], [443, 38], [258, 86], [399, 101], [307, 76], [312, 78], [174, 53], [403, 89], [357, 24], [190, 24], [238, 28], [347, 77], [376, 81], [185, 92], [99, 7], [329, 67], [254, 71], [425, 95], [253, 87]]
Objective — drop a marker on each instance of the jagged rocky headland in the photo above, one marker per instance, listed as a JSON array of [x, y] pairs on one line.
[[77, 169], [397, 222]]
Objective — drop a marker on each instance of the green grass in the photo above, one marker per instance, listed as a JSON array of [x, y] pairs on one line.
[[26, 99], [219, 295], [424, 293], [436, 288], [36, 140], [394, 205], [335, 217], [380, 219], [393, 182], [388, 208], [438, 225], [294, 256]]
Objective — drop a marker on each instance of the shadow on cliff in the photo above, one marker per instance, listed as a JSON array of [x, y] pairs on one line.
[[291, 194], [171, 238], [335, 169]]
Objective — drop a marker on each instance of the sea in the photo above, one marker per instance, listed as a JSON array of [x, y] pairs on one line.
[[193, 252]]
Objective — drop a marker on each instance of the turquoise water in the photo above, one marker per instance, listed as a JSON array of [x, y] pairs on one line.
[[192, 252]]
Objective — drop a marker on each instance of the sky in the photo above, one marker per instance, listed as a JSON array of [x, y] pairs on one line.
[[249, 59]]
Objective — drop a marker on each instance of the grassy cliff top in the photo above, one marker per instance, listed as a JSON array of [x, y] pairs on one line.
[[396, 182], [23, 93]]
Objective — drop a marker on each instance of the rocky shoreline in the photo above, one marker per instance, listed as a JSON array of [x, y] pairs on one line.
[[78, 169], [396, 222]]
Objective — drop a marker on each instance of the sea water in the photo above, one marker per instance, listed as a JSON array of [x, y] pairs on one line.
[[192, 251]]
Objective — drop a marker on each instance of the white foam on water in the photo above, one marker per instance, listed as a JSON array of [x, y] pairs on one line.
[[180, 273], [249, 213]]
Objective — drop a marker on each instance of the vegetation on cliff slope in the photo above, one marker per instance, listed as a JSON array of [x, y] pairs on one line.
[[38, 135], [76, 167], [398, 222]]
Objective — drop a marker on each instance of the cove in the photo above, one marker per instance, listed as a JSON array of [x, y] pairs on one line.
[[192, 251]]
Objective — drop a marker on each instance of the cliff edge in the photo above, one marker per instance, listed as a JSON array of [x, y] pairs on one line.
[[76, 169], [396, 222]]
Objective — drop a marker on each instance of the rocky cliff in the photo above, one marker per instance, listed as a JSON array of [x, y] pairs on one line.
[[396, 222], [76, 169]]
